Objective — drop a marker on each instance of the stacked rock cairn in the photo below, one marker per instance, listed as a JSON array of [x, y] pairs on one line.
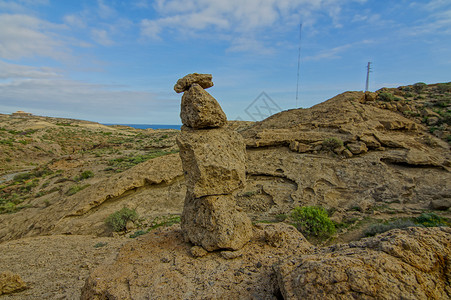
[[213, 160]]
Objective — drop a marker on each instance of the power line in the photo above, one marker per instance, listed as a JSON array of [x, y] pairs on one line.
[[299, 64]]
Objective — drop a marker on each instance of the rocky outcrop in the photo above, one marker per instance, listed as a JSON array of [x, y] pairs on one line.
[[411, 264], [11, 283], [213, 161], [160, 265], [152, 188]]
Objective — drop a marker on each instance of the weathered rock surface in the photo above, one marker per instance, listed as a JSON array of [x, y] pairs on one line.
[[159, 265], [213, 161], [214, 222], [403, 168], [408, 264], [200, 110], [403, 180], [152, 188], [11, 283], [183, 84]]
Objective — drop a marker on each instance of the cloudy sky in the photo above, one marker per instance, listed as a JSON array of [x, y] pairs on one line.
[[116, 61]]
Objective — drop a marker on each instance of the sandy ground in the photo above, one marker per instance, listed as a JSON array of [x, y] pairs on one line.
[[55, 267]]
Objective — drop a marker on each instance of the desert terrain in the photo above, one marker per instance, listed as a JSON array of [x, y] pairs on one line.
[[377, 163]]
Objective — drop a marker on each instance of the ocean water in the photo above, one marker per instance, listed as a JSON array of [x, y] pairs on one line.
[[153, 126]]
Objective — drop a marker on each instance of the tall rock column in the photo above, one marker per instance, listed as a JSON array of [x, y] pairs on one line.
[[213, 159]]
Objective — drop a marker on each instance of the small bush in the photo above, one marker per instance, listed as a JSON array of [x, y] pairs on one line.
[[430, 220], [444, 87], [22, 177], [332, 143], [383, 227], [165, 221], [118, 220], [100, 244], [84, 175], [8, 207], [312, 221], [281, 217], [387, 97], [137, 233], [75, 189], [419, 86]]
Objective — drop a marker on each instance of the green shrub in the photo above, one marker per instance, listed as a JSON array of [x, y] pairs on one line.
[[165, 221], [312, 221], [137, 233], [84, 175], [387, 97], [281, 217], [424, 220], [118, 220], [22, 177], [430, 220], [383, 227], [332, 143], [123, 163], [8, 207], [419, 86], [75, 189], [444, 87], [100, 244]]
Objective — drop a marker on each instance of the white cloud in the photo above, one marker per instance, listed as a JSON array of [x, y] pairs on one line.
[[104, 10], [8, 71], [334, 53], [26, 36], [236, 19], [74, 21], [20, 5], [77, 99], [101, 36]]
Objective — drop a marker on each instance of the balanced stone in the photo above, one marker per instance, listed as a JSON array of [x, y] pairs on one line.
[[215, 222], [213, 161], [200, 110], [183, 84]]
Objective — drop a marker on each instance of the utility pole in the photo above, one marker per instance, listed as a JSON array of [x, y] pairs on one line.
[[299, 65], [368, 70]]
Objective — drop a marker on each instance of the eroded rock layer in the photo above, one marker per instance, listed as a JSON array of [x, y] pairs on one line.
[[408, 264]]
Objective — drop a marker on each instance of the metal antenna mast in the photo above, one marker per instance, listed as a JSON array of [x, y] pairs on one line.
[[368, 70], [299, 64]]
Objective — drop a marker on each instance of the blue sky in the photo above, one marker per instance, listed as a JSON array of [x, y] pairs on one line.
[[117, 61]]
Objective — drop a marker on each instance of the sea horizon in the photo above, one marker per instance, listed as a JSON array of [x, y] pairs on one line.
[[147, 126]]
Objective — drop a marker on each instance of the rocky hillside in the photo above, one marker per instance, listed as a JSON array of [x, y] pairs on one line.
[[370, 159]]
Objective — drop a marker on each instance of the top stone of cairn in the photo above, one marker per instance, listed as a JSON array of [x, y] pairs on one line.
[[183, 84]]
